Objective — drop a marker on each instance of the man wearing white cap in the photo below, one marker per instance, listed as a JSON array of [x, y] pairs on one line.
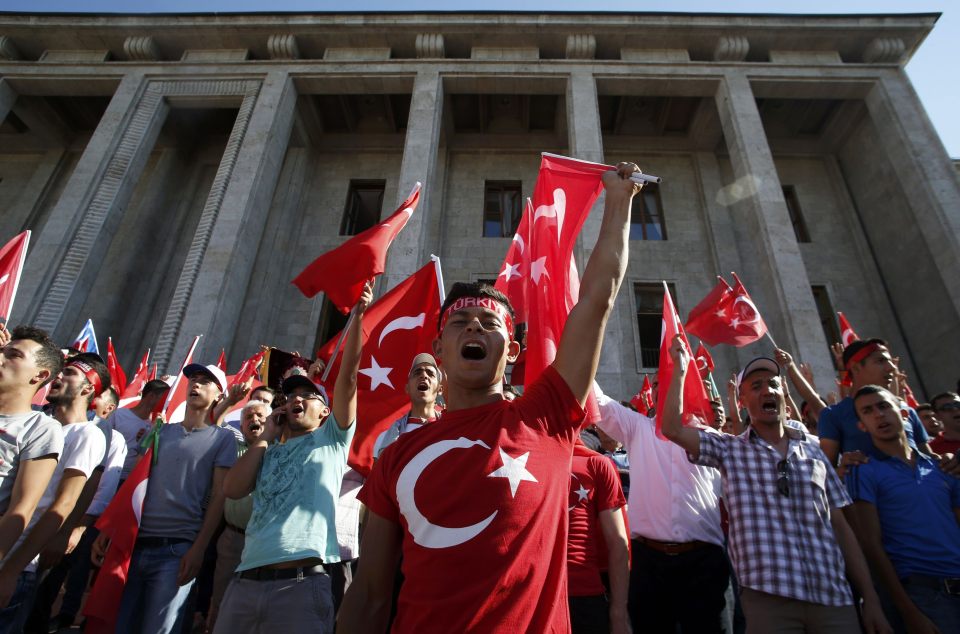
[[182, 510], [423, 387]]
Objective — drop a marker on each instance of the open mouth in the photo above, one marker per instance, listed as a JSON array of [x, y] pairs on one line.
[[255, 428], [296, 409], [423, 386], [473, 351], [769, 406]]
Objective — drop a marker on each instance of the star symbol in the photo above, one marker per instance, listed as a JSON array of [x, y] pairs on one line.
[[582, 493], [510, 270], [734, 322], [537, 268], [378, 375], [721, 313], [514, 470]]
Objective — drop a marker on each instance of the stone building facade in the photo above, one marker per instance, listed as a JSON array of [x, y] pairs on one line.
[[178, 171]]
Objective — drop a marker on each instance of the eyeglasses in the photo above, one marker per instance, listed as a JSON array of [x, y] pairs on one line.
[[946, 407], [783, 485], [308, 396]]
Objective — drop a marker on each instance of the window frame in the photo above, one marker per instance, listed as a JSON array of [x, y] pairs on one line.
[[351, 209], [501, 186]]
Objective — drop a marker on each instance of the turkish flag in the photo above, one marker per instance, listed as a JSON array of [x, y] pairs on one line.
[[175, 407], [130, 396], [222, 360], [704, 361], [515, 271], [248, 370], [396, 328], [696, 404], [342, 272], [153, 373], [847, 335], [118, 378], [643, 400], [12, 256], [121, 523], [40, 398], [727, 315]]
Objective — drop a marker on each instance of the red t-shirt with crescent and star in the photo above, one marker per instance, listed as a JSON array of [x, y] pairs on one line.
[[482, 496], [594, 488]]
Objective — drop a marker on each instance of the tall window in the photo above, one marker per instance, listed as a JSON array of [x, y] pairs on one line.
[[646, 215], [796, 214], [332, 321], [364, 202], [825, 310], [649, 299], [502, 206]]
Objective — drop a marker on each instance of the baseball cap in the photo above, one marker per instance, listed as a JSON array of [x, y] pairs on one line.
[[420, 359], [211, 370], [760, 363], [294, 381]]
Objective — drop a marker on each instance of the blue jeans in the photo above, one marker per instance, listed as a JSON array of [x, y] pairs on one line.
[[152, 601], [15, 614], [938, 606]]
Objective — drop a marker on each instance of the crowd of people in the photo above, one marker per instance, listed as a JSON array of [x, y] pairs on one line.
[[489, 508]]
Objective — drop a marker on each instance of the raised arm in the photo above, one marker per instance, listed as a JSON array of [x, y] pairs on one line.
[[366, 605], [345, 389], [734, 405], [804, 389], [579, 352], [672, 424]]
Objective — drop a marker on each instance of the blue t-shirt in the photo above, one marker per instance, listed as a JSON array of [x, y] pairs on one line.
[[915, 505], [294, 504], [839, 422]]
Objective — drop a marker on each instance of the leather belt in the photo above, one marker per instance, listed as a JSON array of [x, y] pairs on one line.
[[671, 548], [941, 584], [276, 574]]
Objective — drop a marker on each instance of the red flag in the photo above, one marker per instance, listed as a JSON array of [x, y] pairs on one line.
[[909, 397], [696, 403], [12, 256], [396, 328], [704, 361], [249, 368], [175, 406], [646, 393], [153, 373], [342, 272], [40, 398], [727, 315], [222, 361], [118, 378], [121, 523], [847, 335], [515, 271], [131, 395]]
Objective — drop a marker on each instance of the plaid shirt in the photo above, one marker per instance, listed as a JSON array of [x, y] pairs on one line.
[[781, 545]]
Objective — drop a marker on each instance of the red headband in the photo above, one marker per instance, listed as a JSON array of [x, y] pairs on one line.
[[90, 374], [862, 354], [479, 302]]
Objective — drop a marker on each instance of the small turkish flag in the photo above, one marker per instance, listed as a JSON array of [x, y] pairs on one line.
[[342, 272], [118, 378], [704, 361], [515, 271], [643, 400], [130, 396], [396, 328], [696, 403], [222, 360], [12, 256], [847, 335], [727, 315], [175, 407]]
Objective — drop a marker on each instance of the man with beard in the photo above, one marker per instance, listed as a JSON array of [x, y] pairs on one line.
[[281, 583], [423, 387], [82, 379], [182, 510]]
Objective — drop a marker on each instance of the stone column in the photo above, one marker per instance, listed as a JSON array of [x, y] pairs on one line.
[[419, 164], [64, 258], [778, 281], [216, 274], [7, 97]]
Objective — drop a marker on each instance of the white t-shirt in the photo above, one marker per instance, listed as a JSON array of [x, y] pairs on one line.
[[130, 426], [24, 437], [116, 453]]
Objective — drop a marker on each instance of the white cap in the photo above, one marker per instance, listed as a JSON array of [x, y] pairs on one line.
[[213, 371]]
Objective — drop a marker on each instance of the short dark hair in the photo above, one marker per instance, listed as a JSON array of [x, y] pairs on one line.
[[857, 346], [111, 395], [95, 362], [867, 390], [474, 289], [265, 388], [923, 407], [48, 356], [154, 386], [942, 396]]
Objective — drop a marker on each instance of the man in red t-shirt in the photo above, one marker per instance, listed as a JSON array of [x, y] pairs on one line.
[[597, 539], [476, 503], [947, 407]]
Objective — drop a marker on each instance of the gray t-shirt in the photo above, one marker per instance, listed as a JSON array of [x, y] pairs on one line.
[[180, 481], [132, 427], [24, 437]]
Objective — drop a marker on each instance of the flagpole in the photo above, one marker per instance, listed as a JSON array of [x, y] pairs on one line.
[[336, 350], [436, 267], [173, 387], [771, 339]]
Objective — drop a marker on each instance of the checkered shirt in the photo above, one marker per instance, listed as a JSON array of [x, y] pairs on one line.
[[781, 545]]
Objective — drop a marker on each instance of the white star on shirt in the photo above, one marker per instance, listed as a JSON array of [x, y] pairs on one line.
[[514, 470], [378, 376], [582, 493], [510, 270], [537, 268]]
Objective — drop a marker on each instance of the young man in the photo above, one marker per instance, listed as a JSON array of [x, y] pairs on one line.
[[134, 422], [82, 379], [947, 408], [476, 504], [182, 510], [423, 388], [908, 518], [790, 546], [281, 583], [928, 416]]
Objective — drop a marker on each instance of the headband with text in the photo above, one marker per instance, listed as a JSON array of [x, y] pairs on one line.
[[479, 302]]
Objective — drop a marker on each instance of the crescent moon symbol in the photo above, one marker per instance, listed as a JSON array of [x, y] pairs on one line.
[[402, 323], [516, 238], [136, 499], [756, 313], [556, 210], [423, 531]]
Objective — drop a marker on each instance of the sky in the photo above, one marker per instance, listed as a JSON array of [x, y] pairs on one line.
[[933, 69]]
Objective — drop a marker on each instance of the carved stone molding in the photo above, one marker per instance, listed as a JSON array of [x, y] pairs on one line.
[[731, 48], [8, 50], [141, 48], [430, 45], [884, 50], [581, 46], [283, 46]]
